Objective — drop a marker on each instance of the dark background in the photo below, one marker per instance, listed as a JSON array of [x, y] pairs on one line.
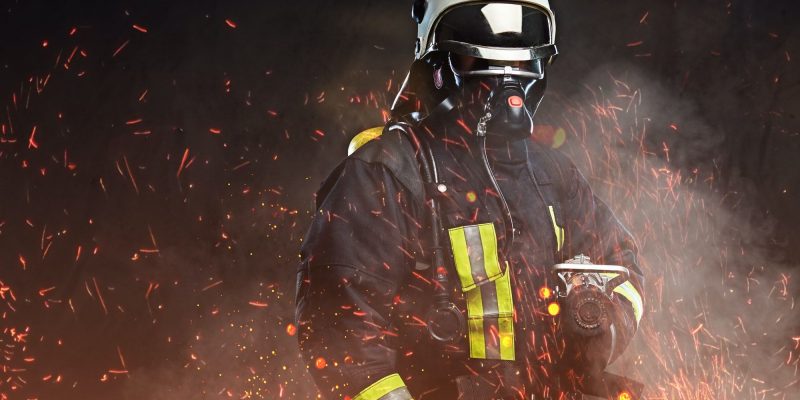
[[155, 186]]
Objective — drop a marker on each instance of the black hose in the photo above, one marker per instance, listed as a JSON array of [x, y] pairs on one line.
[[508, 219], [443, 309]]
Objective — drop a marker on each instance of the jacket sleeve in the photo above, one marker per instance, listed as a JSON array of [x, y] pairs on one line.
[[357, 253], [594, 230]]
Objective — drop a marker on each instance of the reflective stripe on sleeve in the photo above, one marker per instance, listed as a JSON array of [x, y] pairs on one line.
[[388, 388], [629, 292]]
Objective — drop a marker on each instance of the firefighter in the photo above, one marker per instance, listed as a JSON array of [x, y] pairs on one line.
[[427, 270]]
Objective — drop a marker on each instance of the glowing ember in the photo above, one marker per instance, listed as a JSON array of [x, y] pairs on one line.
[[553, 309]]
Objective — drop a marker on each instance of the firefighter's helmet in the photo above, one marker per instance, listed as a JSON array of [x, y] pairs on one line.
[[496, 30]]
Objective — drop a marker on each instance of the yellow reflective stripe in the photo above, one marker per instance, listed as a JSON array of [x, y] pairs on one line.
[[363, 138], [505, 305], [491, 262], [478, 264], [474, 303], [477, 344], [506, 325], [381, 388], [628, 291], [559, 231], [505, 320], [461, 257]]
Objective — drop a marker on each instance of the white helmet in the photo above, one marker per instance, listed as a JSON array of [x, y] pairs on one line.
[[488, 26]]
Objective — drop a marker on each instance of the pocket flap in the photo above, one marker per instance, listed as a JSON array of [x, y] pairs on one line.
[[475, 255]]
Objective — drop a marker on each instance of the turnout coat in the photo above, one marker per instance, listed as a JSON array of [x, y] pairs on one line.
[[364, 283]]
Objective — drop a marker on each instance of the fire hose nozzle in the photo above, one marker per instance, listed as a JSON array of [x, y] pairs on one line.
[[585, 291], [608, 277]]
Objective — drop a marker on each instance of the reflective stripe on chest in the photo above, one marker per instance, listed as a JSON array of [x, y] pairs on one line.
[[487, 289]]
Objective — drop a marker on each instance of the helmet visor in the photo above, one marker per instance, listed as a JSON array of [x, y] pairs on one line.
[[494, 25], [466, 66]]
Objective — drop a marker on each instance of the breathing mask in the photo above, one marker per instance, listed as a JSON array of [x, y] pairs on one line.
[[487, 58], [505, 94]]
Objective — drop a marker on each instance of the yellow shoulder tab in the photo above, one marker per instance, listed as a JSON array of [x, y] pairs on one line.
[[362, 139]]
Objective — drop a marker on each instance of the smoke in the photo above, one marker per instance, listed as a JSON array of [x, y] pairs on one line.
[[720, 319], [136, 239]]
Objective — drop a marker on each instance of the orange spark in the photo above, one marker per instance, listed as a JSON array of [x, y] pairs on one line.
[[183, 162], [119, 49], [31, 140], [100, 296], [130, 174]]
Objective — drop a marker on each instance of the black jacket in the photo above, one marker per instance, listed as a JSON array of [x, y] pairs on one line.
[[364, 290]]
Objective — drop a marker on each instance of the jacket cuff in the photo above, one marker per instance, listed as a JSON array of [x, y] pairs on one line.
[[390, 387]]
